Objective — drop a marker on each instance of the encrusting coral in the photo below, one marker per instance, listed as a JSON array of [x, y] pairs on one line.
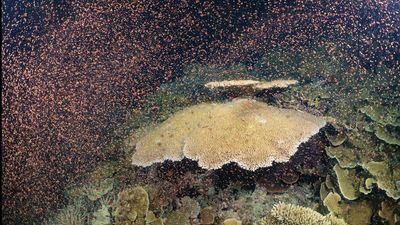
[[189, 209], [390, 211], [232, 221], [385, 122], [245, 131], [344, 155], [349, 183], [385, 177], [132, 206], [331, 201], [288, 214], [207, 216], [353, 213], [362, 149], [385, 115], [390, 135]]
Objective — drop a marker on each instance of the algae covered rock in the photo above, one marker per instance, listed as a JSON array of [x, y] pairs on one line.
[[357, 213], [151, 219], [177, 217], [104, 171], [317, 62], [190, 206]]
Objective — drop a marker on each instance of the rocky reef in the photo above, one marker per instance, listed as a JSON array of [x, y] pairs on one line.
[[346, 173]]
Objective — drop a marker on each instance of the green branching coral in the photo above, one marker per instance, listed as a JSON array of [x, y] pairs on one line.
[[288, 214]]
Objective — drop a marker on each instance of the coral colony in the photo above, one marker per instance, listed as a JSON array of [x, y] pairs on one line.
[[200, 112]]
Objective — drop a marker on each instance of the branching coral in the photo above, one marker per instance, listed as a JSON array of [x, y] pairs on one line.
[[102, 216], [288, 214], [73, 214]]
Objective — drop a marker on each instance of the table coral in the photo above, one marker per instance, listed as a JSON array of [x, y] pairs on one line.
[[248, 132], [248, 87]]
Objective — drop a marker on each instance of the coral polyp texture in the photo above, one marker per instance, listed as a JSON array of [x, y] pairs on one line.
[[244, 131], [288, 214]]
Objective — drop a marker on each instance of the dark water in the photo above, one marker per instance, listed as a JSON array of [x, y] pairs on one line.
[[84, 82]]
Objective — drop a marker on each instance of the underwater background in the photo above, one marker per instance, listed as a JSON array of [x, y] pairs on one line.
[[86, 83]]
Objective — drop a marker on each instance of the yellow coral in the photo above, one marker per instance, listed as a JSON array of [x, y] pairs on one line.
[[232, 221], [245, 131], [349, 183], [354, 213], [385, 177], [345, 156], [331, 201], [132, 206], [388, 213]]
